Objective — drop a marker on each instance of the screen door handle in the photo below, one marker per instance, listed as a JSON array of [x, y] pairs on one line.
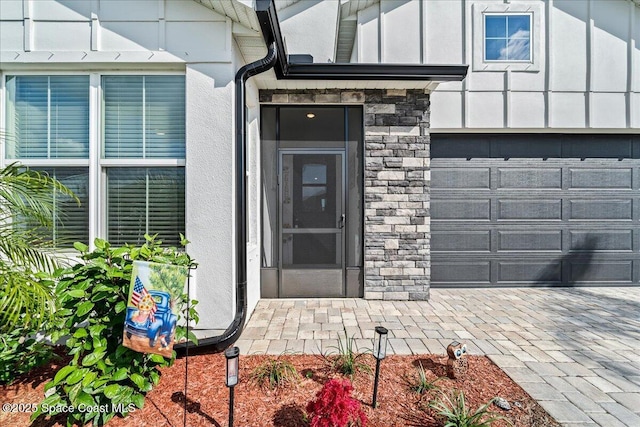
[[341, 221]]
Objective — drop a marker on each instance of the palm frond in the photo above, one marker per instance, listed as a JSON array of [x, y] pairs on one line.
[[25, 301], [27, 203], [30, 193]]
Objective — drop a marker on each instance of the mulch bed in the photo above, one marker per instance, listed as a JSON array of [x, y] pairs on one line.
[[208, 397]]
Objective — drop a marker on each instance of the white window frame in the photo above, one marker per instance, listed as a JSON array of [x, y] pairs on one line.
[[536, 36], [96, 163]]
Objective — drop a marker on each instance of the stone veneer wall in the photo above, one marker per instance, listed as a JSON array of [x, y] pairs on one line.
[[397, 182]]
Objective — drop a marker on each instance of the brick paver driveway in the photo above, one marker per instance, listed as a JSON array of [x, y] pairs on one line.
[[574, 350]]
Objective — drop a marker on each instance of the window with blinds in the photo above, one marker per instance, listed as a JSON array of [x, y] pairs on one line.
[[138, 171], [144, 119], [47, 120]]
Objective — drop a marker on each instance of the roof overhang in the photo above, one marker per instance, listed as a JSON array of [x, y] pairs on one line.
[[358, 75]]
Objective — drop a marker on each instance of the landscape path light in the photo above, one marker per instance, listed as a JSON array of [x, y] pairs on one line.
[[233, 364], [379, 352]]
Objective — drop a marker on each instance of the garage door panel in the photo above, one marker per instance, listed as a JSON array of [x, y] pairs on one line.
[[541, 210], [590, 271], [469, 241], [549, 272], [529, 178], [478, 272], [601, 209], [448, 178], [529, 241], [614, 240], [600, 178], [461, 209]]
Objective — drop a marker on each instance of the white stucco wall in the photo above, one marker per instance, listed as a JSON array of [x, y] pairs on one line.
[[154, 36], [209, 181], [309, 27], [585, 71]]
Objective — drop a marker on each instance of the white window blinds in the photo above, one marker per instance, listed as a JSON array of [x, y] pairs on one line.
[[144, 117], [47, 117], [145, 200]]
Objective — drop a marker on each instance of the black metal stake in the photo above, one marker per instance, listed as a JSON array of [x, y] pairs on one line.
[[375, 384], [231, 406]]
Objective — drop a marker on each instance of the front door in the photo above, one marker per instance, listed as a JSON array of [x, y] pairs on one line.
[[312, 220]]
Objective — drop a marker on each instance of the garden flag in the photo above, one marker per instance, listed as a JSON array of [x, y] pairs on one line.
[[152, 307]]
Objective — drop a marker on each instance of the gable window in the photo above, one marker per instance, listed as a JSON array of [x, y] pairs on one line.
[[130, 172], [507, 37]]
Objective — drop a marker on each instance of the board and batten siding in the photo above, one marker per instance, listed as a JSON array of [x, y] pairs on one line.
[[585, 72]]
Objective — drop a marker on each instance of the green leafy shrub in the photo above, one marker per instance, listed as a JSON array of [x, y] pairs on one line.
[[275, 372], [102, 373], [455, 412], [420, 382], [345, 358], [20, 352]]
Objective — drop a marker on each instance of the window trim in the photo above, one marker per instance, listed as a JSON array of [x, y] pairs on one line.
[[536, 36], [97, 165]]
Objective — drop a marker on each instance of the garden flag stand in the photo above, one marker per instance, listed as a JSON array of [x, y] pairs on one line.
[[186, 350], [152, 317]]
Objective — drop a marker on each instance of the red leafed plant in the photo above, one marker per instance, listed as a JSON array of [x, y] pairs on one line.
[[334, 406]]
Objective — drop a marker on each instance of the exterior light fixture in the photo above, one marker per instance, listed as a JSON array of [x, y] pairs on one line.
[[379, 352], [233, 364], [310, 115]]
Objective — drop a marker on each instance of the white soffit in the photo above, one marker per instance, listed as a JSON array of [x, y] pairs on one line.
[[351, 7], [347, 27], [235, 10]]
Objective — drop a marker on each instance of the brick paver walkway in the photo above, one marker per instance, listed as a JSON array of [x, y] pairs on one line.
[[576, 351]]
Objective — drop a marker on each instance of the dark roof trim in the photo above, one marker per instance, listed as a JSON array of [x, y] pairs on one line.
[[285, 69], [376, 72]]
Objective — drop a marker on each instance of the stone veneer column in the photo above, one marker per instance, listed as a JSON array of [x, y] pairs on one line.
[[397, 182], [397, 179]]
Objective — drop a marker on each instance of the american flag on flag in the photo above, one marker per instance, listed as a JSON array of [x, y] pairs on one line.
[[139, 294]]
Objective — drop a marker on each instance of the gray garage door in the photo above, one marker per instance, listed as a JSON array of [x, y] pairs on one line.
[[535, 210]]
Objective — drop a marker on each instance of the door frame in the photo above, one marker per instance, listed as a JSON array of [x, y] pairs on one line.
[[343, 185]]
